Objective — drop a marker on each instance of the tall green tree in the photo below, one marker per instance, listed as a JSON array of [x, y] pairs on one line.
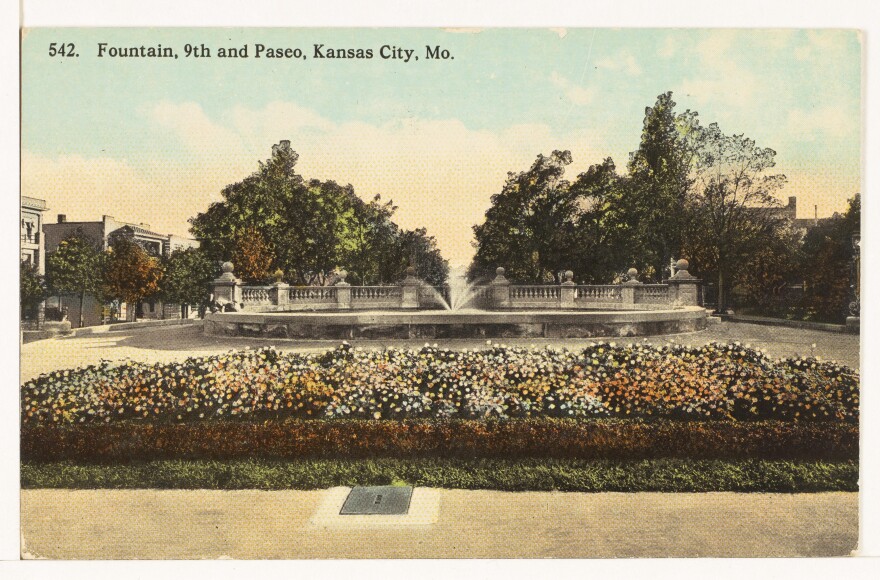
[[187, 277], [529, 225], [76, 267], [32, 287], [310, 229], [660, 179], [827, 267], [605, 243], [130, 273]]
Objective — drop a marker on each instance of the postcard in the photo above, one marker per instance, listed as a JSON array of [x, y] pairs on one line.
[[331, 293]]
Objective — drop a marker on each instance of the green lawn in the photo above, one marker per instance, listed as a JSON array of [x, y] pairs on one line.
[[661, 475]]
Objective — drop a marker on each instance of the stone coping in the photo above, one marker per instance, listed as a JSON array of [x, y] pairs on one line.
[[461, 317]]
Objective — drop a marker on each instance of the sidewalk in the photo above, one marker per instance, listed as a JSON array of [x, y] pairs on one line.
[[150, 524], [166, 344]]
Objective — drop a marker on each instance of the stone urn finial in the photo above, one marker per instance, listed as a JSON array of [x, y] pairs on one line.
[[341, 282], [632, 277], [228, 270], [410, 271], [499, 271], [569, 275], [681, 270], [278, 275]]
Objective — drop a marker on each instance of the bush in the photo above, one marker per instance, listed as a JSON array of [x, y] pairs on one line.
[[463, 438], [711, 382]]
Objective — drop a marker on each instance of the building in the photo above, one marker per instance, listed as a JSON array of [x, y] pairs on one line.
[[104, 233], [32, 246], [33, 252]]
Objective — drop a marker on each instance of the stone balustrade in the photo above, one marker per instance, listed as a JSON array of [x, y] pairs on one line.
[[680, 290]]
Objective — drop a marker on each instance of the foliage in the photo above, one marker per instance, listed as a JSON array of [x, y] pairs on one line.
[[32, 286], [275, 219], [660, 179], [690, 191], [536, 474], [130, 274], [76, 267], [620, 439], [251, 256], [828, 259], [606, 240], [765, 275], [529, 225], [187, 276], [734, 208], [604, 380]]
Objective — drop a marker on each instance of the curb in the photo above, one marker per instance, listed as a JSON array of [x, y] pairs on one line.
[[801, 324]]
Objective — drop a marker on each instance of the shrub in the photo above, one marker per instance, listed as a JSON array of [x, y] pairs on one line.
[[615, 439]]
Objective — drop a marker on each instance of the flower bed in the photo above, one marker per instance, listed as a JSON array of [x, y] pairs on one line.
[[712, 382]]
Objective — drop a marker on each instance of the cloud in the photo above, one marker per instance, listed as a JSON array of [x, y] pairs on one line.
[[623, 61], [669, 48], [575, 93], [440, 173], [87, 188], [720, 79], [832, 122]]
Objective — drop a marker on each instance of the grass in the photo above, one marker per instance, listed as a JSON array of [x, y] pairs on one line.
[[528, 474]]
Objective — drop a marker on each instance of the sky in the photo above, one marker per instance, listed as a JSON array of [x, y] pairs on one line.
[[155, 140]]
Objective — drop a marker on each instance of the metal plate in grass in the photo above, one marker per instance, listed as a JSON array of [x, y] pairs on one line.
[[384, 500]]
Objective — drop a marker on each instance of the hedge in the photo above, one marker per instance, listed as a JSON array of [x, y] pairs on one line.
[[558, 438], [651, 475]]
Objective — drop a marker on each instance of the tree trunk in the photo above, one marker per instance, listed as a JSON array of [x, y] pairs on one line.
[[82, 299], [720, 298]]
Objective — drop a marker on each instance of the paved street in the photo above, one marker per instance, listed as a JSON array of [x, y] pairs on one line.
[[148, 524], [179, 342]]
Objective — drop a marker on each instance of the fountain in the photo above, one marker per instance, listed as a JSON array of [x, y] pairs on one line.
[[497, 309]]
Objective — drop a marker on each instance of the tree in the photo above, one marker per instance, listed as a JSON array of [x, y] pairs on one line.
[[827, 264], [420, 250], [251, 255], [605, 243], [32, 287], [187, 277], [307, 229], [529, 225], [75, 267], [733, 212], [368, 244], [130, 274], [770, 269], [660, 180]]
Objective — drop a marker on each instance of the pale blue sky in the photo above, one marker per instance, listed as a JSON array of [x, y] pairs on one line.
[[154, 140]]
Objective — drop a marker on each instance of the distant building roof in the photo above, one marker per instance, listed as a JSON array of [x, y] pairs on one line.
[[142, 231], [33, 203]]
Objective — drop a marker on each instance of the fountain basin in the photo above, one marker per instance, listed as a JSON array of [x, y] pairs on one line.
[[390, 324]]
